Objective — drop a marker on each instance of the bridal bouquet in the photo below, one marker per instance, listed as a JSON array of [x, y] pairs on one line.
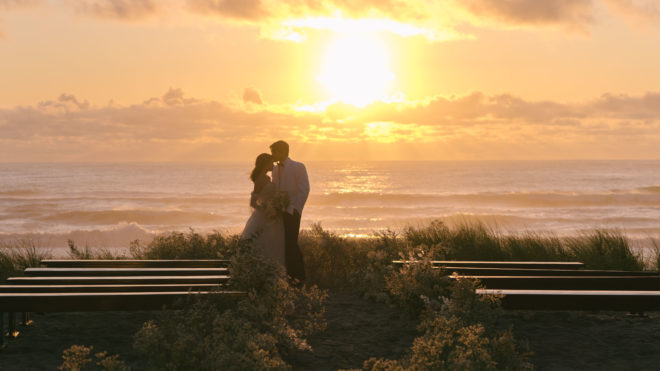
[[278, 204]]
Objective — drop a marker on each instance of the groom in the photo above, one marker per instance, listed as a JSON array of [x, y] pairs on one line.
[[291, 176]]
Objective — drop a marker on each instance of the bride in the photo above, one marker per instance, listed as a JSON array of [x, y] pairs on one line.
[[265, 228]]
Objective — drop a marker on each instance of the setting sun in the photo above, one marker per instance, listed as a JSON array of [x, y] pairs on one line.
[[356, 70]]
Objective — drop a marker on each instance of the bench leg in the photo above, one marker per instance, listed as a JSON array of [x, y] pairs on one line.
[[2, 330], [11, 325], [26, 319]]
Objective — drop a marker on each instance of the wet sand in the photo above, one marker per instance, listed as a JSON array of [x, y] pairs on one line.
[[359, 329]]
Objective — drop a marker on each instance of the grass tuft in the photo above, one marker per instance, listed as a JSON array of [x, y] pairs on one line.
[[17, 255]]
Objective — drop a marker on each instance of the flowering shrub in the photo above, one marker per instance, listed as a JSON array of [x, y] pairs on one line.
[[462, 333], [358, 265], [417, 284], [257, 331], [78, 358]]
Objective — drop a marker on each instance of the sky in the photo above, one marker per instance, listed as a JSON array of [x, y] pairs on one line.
[[219, 80]]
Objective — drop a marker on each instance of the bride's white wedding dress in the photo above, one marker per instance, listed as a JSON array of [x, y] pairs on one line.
[[266, 232]]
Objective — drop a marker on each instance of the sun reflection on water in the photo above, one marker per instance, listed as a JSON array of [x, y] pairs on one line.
[[358, 179]]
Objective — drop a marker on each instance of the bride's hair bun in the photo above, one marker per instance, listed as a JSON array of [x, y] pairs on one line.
[[259, 164]]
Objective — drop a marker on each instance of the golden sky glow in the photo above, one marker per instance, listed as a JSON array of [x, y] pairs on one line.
[[213, 80]]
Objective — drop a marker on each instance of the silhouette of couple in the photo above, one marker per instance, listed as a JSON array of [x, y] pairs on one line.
[[277, 206]]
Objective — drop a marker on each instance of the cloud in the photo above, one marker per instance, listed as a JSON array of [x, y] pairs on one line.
[[572, 13], [238, 9], [435, 20], [291, 19], [265, 9], [128, 10], [473, 126], [646, 11], [251, 95], [14, 4], [7, 5], [169, 127]]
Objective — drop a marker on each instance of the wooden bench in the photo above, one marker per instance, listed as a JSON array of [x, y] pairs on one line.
[[500, 264], [637, 283], [634, 301], [105, 288], [67, 272], [109, 285], [116, 280], [470, 271], [559, 285], [120, 263]]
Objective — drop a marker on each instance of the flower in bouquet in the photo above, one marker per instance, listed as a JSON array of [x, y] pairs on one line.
[[278, 204]]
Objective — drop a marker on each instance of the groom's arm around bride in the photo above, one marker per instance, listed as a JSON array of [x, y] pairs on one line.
[[291, 176]]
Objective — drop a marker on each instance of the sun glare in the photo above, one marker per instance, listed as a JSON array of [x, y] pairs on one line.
[[356, 70]]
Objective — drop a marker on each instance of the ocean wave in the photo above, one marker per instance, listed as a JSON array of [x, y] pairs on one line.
[[125, 197], [652, 189], [19, 192], [649, 196], [118, 236], [516, 199], [142, 217]]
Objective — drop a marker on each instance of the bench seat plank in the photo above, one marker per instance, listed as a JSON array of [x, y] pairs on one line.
[[642, 283], [126, 263], [84, 302], [106, 288], [637, 301], [38, 272], [112, 280], [468, 271], [502, 264]]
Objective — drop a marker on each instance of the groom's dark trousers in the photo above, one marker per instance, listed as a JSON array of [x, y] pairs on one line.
[[293, 257]]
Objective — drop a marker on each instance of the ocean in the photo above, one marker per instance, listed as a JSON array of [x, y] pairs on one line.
[[109, 205]]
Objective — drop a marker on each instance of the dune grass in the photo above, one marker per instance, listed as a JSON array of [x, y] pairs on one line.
[[598, 249], [360, 264], [180, 245], [459, 329], [85, 253], [333, 261], [17, 255]]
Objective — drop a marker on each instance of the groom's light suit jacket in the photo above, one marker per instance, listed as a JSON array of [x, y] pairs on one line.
[[291, 176]]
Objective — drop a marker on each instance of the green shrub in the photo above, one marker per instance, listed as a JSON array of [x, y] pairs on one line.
[[357, 264], [462, 333], [257, 331], [205, 337], [449, 344], [179, 245], [328, 257], [435, 233], [78, 358], [416, 282]]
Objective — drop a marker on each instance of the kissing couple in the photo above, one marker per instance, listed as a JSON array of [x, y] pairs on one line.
[[277, 205]]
